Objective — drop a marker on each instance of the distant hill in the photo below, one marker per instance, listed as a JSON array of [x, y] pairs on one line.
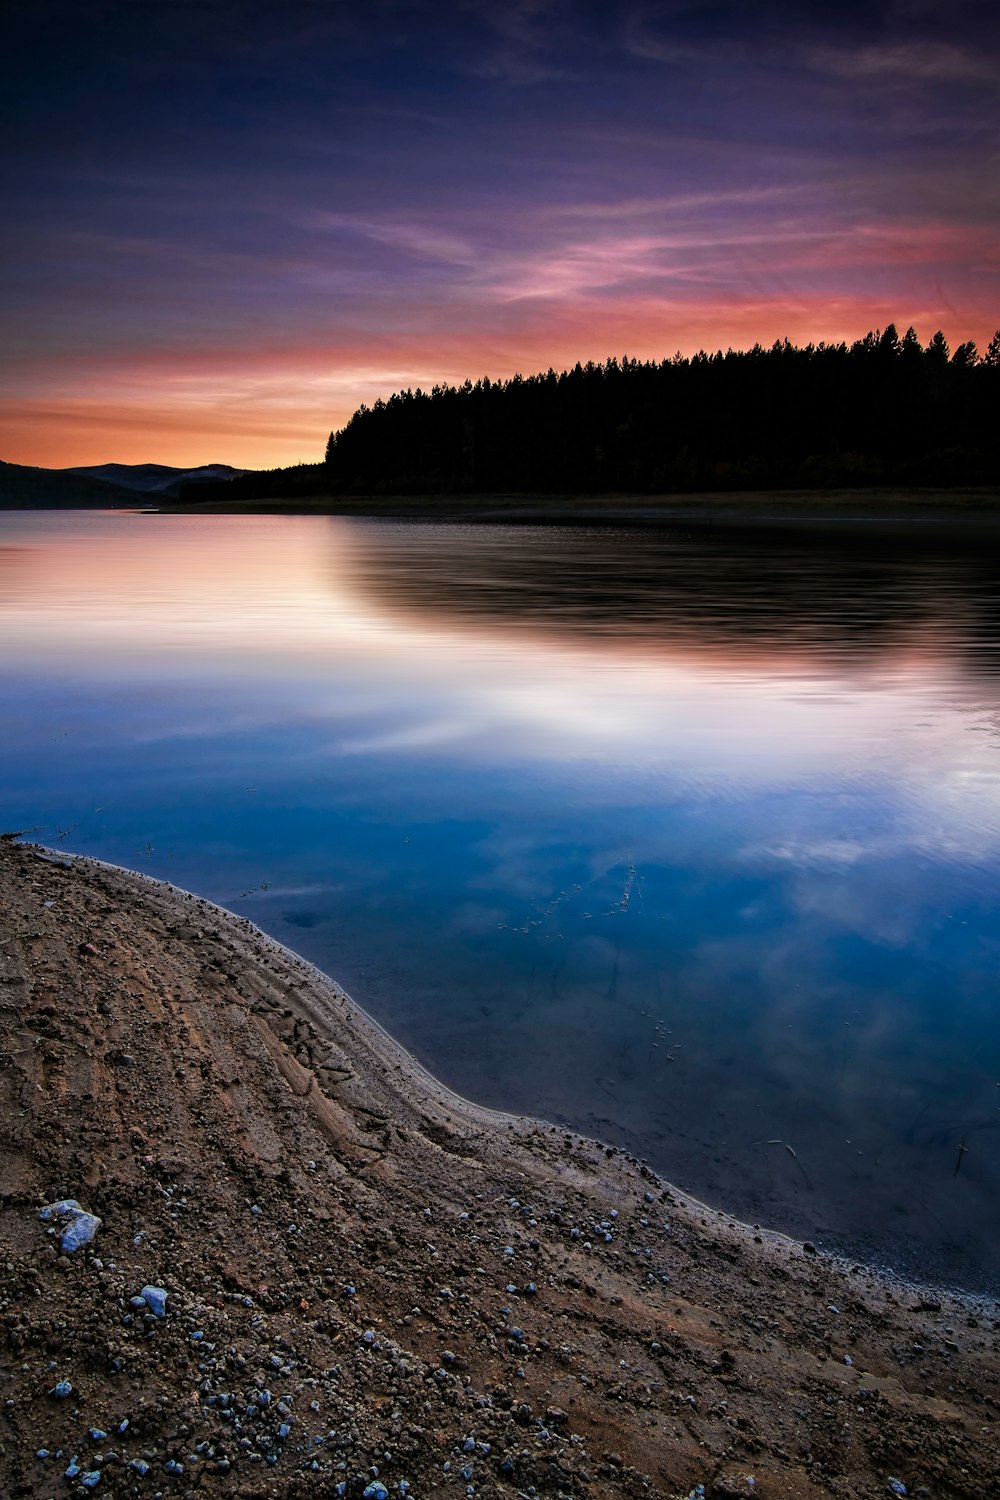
[[296, 482], [158, 479], [25, 488], [99, 485]]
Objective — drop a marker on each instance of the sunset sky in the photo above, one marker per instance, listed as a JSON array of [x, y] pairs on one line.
[[227, 223]]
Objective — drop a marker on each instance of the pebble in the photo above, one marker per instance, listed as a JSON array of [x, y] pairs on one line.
[[91, 1479], [80, 1226], [155, 1299], [897, 1487], [62, 1389], [79, 1231]]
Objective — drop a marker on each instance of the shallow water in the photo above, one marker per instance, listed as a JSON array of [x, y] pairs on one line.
[[688, 837]]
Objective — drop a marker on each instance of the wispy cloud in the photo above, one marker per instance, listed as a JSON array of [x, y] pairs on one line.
[[621, 209], [521, 50], [681, 33], [909, 62], [428, 241]]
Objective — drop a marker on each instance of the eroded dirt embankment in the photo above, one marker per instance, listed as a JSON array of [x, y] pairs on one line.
[[372, 1283]]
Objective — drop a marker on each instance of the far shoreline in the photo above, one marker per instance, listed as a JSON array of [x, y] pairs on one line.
[[959, 511]]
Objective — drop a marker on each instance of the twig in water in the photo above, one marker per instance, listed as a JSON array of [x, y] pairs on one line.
[[801, 1168], [779, 1142]]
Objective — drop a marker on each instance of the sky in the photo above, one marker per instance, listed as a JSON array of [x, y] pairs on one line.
[[226, 223]]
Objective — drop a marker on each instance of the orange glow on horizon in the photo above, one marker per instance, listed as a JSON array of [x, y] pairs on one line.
[[276, 405]]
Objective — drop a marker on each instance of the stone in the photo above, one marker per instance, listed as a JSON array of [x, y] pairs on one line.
[[78, 1226], [155, 1299]]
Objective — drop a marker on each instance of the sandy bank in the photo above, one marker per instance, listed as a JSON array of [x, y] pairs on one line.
[[366, 1272]]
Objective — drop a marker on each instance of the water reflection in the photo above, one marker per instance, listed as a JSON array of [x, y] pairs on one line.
[[742, 593], [690, 838]]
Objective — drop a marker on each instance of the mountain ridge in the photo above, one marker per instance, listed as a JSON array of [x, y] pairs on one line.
[[153, 478], [28, 486]]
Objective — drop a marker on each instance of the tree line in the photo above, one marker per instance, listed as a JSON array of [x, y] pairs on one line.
[[882, 410]]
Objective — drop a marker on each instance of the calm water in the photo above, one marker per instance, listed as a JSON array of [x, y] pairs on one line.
[[688, 838]]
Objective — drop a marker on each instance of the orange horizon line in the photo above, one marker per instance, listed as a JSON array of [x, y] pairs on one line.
[[34, 427]]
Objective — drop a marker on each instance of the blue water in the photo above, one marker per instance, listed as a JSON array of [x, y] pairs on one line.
[[689, 837]]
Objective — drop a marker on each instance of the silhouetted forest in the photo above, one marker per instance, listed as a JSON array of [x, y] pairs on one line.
[[259, 484], [883, 410]]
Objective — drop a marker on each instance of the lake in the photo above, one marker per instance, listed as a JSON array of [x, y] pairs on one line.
[[686, 836]]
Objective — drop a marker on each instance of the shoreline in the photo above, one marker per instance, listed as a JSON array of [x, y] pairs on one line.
[[241, 1053], [932, 511], [416, 1080], [917, 518]]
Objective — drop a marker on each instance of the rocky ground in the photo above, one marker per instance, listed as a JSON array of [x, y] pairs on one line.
[[373, 1287]]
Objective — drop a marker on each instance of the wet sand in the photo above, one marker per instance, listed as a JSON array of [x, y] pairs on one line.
[[366, 1272]]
